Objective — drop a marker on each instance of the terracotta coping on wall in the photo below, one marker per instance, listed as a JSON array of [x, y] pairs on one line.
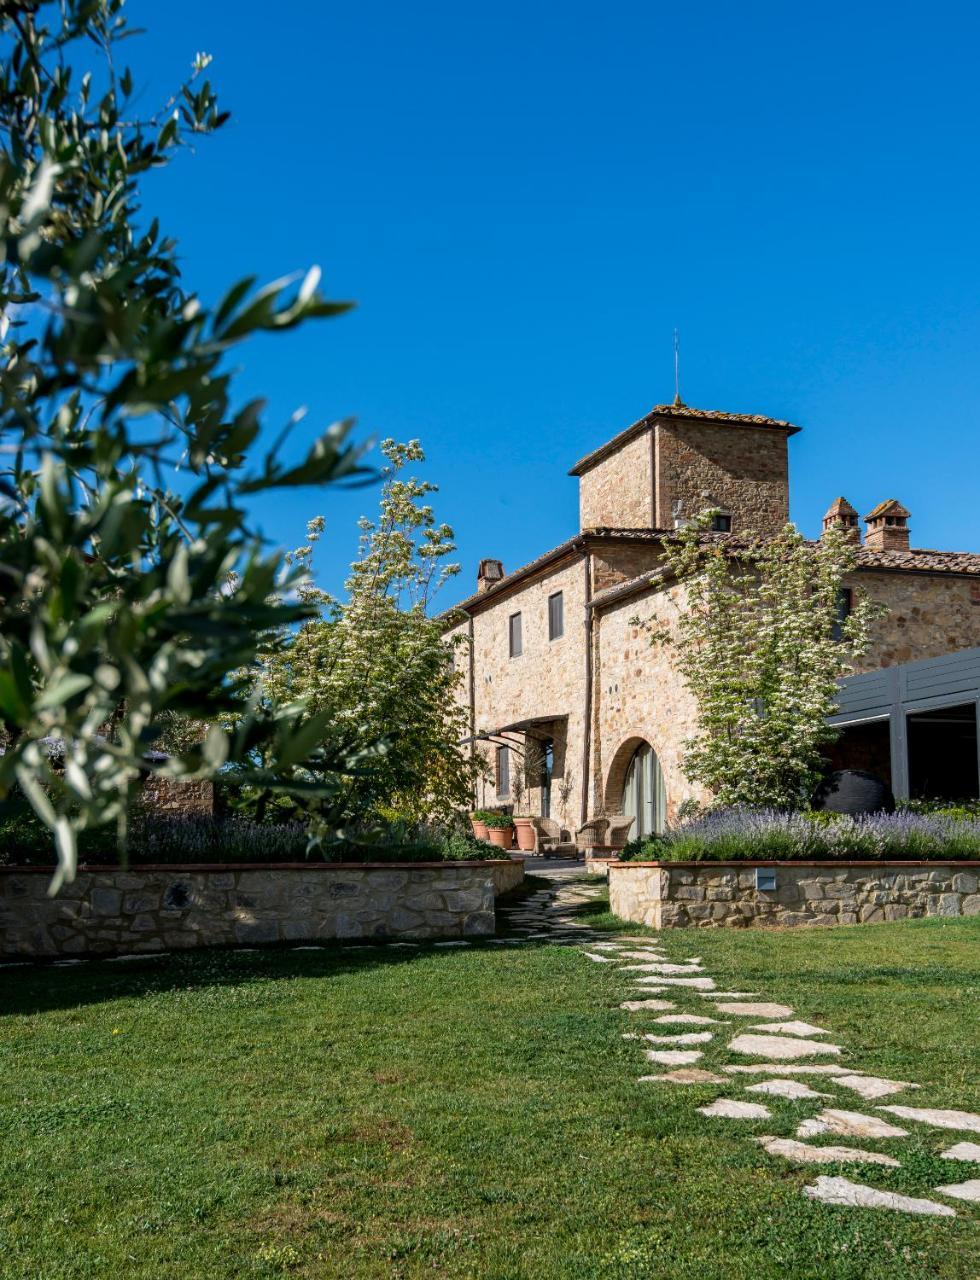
[[807, 862], [264, 866]]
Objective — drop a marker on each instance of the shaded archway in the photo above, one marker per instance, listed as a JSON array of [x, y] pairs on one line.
[[635, 786]]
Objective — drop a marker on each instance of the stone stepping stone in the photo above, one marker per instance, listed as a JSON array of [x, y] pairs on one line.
[[684, 1075], [598, 959], [392, 944], [873, 1086], [786, 1089], [690, 1019], [64, 964], [784, 1069], [804, 1153], [656, 967], [962, 1151], [969, 1190], [780, 1046], [626, 937], [450, 944], [688, 1037], [732, 1109], [790, 1028], [849, 1124], [854, 1195], [734, 995], [674, 1057], [641, 955], [748, 1010], [651, 991], [633, 1006], [606, 946], [942, 1119], [706, 984]]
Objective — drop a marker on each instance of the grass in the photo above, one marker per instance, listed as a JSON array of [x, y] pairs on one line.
[[385, 1112]]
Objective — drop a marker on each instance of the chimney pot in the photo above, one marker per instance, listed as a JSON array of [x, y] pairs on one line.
[[841, 515], [888, 527], [488, 574]]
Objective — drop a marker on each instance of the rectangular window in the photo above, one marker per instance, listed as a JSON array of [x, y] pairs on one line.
[[722, 523], [516, 639], [556, 616], [845, 600], [503, 771]]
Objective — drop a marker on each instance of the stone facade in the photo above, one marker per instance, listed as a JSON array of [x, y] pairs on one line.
[[148, 909], [714, 895], [602, 690], [744, 470], [619, 491]]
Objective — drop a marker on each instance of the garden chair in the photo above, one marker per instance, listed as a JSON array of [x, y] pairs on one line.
[[591, 834], [551, 841], [618, 833]]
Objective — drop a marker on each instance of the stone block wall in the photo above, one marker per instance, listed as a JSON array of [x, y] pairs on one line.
[[714, 894], [618, 490], [174, 798], [165, 908]]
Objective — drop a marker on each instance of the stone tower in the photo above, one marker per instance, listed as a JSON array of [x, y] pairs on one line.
[[677, 461]]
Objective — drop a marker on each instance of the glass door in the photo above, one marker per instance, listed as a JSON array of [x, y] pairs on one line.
[[644, 798]]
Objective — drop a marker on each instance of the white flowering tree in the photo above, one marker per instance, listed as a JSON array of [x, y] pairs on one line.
[[761, 639], [375, 664]]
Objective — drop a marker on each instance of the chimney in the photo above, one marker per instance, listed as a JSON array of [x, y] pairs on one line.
[[888, 527], [488, 575], [841, 515]]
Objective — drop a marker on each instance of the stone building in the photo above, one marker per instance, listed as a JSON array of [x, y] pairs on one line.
[[556, 672]]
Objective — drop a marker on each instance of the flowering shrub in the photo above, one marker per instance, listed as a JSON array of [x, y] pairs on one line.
[[728, 835]]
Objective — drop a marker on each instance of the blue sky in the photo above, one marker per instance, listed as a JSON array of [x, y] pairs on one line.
[[526, 199]]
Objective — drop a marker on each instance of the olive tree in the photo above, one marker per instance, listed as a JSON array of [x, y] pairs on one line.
[[129, 598]]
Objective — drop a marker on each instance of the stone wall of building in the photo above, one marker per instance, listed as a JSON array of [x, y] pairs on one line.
[[616, 562], [639, 697], [618, 491], [744, 469], [147, 909], [928, 615], [712, 894], [546, 680]]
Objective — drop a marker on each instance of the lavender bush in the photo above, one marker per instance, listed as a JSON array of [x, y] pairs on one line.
[[758, 834]]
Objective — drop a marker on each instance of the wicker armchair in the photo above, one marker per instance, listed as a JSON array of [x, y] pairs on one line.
[[619, 830], [591, 834], [550, 840]]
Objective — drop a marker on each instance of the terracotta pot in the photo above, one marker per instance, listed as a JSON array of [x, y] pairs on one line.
[[525, 834], [479, 828], [502, 837]]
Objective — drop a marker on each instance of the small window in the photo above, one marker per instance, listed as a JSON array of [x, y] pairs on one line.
[[845, 601], [503, 770], [721, 522], [556, 616], [516, 639]]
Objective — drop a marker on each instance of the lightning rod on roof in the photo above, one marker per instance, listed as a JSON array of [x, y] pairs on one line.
[[677, 369]]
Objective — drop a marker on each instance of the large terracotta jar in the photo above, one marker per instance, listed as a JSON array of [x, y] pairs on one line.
[[526, 836], [502, 837], [479, 827]]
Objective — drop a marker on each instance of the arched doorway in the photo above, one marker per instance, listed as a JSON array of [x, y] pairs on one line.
[[644, 797]]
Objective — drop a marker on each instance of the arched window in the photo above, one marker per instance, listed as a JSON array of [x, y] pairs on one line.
[[644, 797]]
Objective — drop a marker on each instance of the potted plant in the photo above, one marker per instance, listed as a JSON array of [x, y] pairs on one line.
[[524, 778], [479, 824], [500, 829]]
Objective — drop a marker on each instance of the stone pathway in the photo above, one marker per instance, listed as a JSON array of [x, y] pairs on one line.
[[784, 1044]]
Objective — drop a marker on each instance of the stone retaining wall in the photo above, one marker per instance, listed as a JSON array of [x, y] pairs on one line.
[[163, 908], [709, 894]]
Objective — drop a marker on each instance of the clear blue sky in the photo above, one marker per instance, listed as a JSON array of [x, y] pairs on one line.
[[525, 199]]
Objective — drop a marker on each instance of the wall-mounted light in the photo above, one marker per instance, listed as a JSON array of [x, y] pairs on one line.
[[765, 879]]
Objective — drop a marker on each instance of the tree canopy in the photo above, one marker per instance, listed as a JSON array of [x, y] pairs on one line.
[[122, 600]]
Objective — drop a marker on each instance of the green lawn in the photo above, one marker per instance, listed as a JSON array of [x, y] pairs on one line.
[[457, 1113]]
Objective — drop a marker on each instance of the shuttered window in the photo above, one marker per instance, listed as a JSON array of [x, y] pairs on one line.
[[516, 639], [503, 770], [556, 616], [845, 602]]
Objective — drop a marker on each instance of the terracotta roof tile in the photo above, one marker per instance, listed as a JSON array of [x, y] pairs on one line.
[[915, 560], [680, 412]]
